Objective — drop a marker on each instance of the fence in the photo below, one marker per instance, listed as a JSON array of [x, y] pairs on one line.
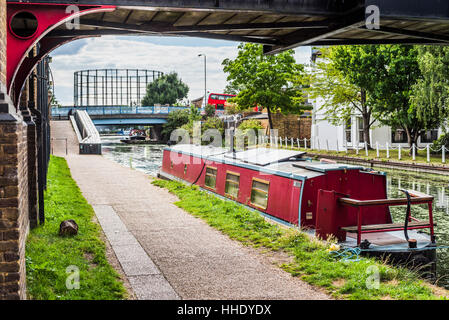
[[377, 150]]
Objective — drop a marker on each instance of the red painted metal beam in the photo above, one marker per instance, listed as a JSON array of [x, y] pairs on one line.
[[47, 45], [48, 17]]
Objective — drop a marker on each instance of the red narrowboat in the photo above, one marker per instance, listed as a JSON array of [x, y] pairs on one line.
[[329, 199]]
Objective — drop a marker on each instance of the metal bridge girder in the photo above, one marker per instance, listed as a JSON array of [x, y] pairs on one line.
[[49, 16]]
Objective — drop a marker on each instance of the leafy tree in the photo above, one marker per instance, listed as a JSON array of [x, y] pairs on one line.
[[53, 101], [175, 120], [264, 80], [345, 79], [167, 89], [430, 95], [397, 75]]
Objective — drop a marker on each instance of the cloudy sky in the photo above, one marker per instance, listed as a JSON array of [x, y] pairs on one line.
[[154, 53]]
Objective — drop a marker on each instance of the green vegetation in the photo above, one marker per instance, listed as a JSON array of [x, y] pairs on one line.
[[400, 86], [176, 119], [48, 255], [311, 260], [167, 89], [265, 80], [209, 111]]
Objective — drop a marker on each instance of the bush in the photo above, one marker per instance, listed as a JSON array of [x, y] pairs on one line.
[[251, 125], [175, 120], [209, 111], [213, 123], [441, 141]]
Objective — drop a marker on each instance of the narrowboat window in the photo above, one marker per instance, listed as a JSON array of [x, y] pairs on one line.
[[211, 177], [185, 168], [259, 193], [232, 184]]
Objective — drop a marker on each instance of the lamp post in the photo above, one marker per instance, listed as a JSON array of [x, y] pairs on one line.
[[205, 79]]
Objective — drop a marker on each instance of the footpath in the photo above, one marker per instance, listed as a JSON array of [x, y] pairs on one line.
[[164, 252]]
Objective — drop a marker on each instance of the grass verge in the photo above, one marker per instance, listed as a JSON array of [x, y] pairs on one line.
[[51, 259], [311, 259]]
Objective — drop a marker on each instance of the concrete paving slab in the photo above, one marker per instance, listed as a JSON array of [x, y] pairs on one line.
[[153, 287]]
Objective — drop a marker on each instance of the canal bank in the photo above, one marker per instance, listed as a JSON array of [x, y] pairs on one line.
[[194, 259], [387, 164], [148, 159]]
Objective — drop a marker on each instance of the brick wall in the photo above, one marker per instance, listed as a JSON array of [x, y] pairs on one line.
[[3, 41], [14, 186], [292, 125], [14, 220]]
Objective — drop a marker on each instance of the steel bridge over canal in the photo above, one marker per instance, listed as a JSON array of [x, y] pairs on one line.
[[103, 116]]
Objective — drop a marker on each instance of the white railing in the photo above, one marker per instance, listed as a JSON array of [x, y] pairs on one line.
[[382, 151]]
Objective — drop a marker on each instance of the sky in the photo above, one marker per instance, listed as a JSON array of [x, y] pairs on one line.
[[164, 54]]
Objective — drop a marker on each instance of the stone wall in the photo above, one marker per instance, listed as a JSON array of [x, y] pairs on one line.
[[292, 125]]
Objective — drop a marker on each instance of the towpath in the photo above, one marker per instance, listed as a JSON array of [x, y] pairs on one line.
[[165, 252]]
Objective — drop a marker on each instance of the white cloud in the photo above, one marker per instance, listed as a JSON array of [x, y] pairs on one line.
[[153, 54]]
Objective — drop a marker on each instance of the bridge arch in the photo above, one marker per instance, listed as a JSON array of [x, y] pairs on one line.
[[48, 17]]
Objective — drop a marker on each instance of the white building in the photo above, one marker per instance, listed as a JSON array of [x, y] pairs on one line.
[[326, 135]]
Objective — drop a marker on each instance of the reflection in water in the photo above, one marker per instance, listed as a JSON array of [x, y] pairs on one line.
[[148, 158], [437, 186]]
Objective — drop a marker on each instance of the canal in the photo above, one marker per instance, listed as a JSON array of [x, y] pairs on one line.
[[148, 158]]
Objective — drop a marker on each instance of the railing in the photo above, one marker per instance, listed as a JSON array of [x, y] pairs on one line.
[[100, 110], [376, 150], [415, 224]]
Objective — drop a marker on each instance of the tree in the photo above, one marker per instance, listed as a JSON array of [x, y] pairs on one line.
[[397, 75], [53, 101], [167, 89], [345, 79], [430, 95], [175, 120], [264, 80]]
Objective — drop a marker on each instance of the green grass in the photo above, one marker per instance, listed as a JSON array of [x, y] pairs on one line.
[[48, 255], [311, 260]]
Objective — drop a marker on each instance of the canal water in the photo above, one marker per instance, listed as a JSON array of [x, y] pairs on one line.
[[148, 158]]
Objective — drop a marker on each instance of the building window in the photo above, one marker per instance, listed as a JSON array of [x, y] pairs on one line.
[[429, 136], [259, 193], [361, 128], [399, 136], [232, 184], [211, 177], [348, 130]]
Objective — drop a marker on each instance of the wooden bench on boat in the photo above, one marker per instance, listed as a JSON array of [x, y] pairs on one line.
[[416, 198]]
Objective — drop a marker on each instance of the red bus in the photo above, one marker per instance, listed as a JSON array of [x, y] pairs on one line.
[[218, 100]]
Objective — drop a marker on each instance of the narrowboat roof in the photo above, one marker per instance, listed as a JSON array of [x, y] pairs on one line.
[[288, 163]]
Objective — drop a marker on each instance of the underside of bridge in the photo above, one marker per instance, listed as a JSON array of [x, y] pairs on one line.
[[32, 29], [277, 24]]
